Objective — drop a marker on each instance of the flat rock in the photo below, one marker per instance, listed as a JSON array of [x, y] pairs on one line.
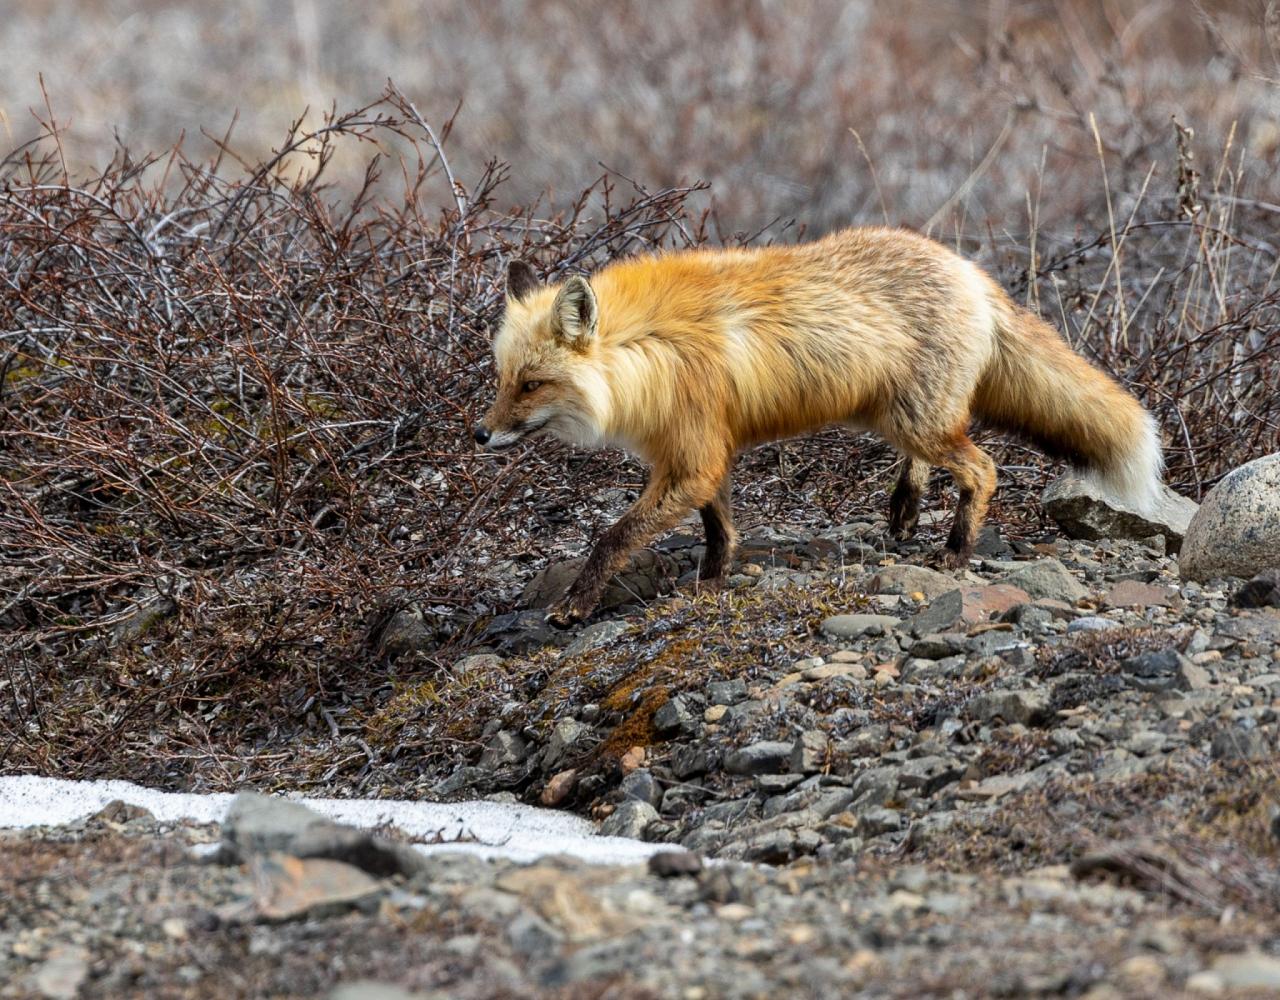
[[289, 888], [1083, 509], [764, 757], [1237, 529], [907, 579], [1046, 578], [263, 824], [853, 626], [1248, 971], [1134, 594], [967, 606], [1163, 669]]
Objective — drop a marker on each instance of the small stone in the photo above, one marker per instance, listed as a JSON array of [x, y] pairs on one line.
[[672, 864], [559, 787], [968, 606], [289, 888], [1164, 669], [675, 718], [61, 975], [406, 631], [828, 670], [1250, 970], [926, 775], [1238, 743], [879, 820], [883, 679], [848, 627], [1206, 983], [809, 752], [564, 736], [1091, 623], [596, 636], [641, 786], [504, 749], [630, 819], [1134, 594], [845, 656], [766, 756], [907, 579], [1046, 578], [632, 759], [937, 646], [715, 713], [727, 692], [477, 663], [1022, 707]]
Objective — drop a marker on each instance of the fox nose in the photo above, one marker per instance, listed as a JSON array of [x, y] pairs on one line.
[[483, 434]]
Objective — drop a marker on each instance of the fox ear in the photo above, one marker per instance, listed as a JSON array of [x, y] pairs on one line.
[[574, 314], [520, 280]]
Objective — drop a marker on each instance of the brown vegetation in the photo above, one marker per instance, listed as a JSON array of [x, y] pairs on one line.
[[235, 400]]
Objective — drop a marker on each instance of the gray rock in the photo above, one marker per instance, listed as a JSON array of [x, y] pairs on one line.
[[676, 717], [759, 758], [370, 989], [262, 824], [406, 631], [1091, 623], [1012, 706], [809, 752], [906, 579], [925, 775], [1238, 743], [1164, 669], [504, 749], [726, 692], [852, 626], [629, 820], [1046, 578], [564, 736], [1083, 510], [938, 645], [879, 820], [596, 636], [1237, 529], [1250, 970], [478, 663], [641, 786]]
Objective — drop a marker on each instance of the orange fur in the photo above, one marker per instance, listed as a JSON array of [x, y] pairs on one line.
[[687, 358]]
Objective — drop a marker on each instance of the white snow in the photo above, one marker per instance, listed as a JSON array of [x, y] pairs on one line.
[[493, 829]]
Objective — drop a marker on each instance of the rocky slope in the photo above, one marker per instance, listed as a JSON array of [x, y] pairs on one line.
[[1052, 774]]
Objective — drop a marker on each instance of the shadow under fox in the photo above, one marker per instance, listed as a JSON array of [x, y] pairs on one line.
[[686, 358]]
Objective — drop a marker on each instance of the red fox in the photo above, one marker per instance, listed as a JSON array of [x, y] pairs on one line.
[[685, 358]]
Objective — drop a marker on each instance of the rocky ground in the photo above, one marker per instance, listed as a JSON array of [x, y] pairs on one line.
[[1050, 774]]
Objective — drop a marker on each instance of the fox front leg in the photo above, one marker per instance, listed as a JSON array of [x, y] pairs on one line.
[[659, 508]]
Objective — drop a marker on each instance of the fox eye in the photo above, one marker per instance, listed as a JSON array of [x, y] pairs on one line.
[[530, 386]]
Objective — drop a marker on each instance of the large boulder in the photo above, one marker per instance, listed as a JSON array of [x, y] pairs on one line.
[[1083, 509], [1237, 530]]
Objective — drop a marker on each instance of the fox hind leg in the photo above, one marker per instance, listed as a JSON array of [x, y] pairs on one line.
[[904, 504], [722, 537], [974, 474]]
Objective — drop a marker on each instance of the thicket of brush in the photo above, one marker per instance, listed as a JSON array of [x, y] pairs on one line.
[[241, 401]]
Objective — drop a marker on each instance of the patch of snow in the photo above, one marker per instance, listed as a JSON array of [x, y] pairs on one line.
[[491, 829]]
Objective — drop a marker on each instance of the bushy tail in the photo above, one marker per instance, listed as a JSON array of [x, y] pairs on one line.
[[1040, 389]]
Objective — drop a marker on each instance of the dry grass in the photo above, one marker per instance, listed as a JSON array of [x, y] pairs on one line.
[[236, 388]]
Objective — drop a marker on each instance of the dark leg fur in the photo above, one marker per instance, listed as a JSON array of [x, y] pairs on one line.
[[904, 504], [722, 537]]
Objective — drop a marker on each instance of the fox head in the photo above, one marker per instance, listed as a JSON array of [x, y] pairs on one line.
[[545, 355]]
